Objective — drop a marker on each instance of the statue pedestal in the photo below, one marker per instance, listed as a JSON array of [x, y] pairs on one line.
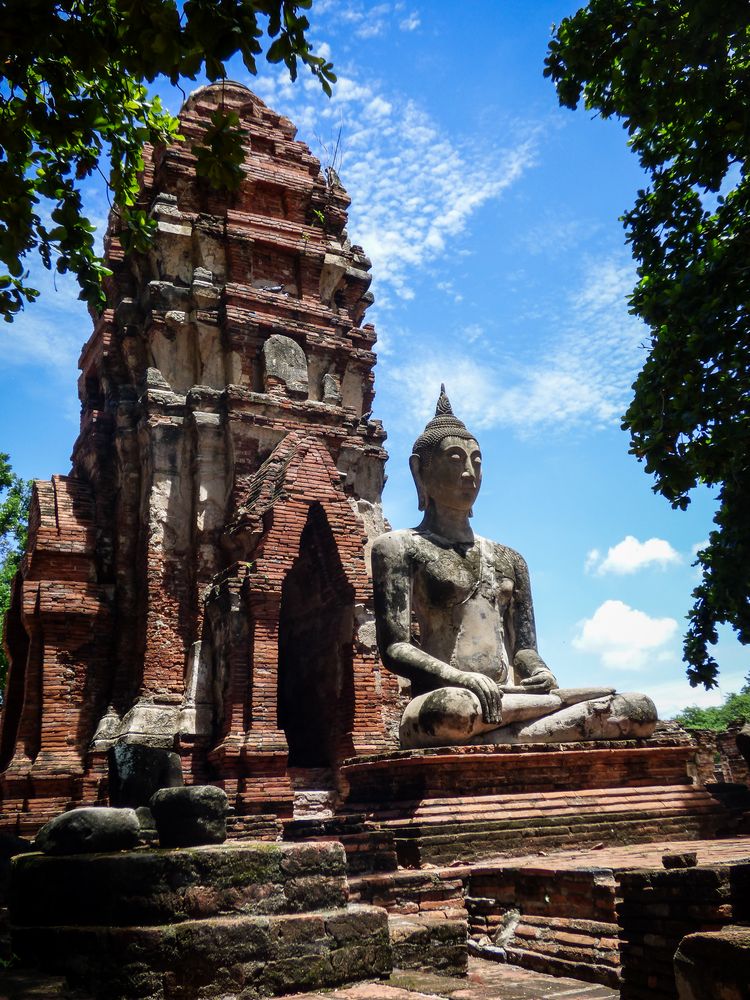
[[465, 803]]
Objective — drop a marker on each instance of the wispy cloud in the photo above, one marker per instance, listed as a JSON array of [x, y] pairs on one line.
[[368, 20], [670, 697], [554, 234], [624, 637], [630, 556], [414, 189], [582, 375], [51, 331], [410, 23]]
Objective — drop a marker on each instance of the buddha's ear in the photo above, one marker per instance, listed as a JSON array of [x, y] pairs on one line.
[[415, 464]]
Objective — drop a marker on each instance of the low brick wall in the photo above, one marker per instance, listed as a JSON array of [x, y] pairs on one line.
[[413, 892], [657, 908], [550, 920], [717, 756]]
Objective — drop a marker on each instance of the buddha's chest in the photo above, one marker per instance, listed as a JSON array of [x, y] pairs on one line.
[[451, 582]]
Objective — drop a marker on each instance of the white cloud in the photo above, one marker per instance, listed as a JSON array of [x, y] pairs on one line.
[[592, 558], [365, 19], [630, 555], [411, 22], [581, 375], [670, 697], [623, 637]]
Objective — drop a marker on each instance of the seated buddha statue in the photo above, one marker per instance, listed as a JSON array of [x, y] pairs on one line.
[[476, 674]]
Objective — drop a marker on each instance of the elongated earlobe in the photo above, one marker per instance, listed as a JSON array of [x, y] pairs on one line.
[[415, 466]]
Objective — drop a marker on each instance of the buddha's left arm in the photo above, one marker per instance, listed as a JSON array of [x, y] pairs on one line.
[[530, 669]]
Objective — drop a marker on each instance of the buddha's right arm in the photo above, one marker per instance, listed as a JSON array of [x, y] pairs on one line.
[[391, 571], [391, 574]]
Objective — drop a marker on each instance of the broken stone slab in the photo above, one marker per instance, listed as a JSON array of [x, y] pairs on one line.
[[714, 964], [150, 724], [228, 957], [429, 941], [686, 859], [188, 817], [136, 771], [88, 830]]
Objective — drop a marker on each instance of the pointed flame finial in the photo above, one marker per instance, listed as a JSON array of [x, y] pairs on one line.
[[443, 408]]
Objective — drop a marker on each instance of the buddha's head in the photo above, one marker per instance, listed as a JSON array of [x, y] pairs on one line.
[[446, 461]]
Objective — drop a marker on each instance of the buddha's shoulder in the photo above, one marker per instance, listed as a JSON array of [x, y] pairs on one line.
[[400, 540], [502, 553], [392, 543]]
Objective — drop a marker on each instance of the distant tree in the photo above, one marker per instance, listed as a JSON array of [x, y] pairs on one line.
[[677, 74], [735, 708], [73, 97], [15, 494]]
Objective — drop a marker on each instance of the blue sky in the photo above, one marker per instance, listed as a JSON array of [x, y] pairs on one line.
[[500, 268]]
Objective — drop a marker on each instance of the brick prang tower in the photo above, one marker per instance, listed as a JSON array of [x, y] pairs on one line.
[[200, 580]]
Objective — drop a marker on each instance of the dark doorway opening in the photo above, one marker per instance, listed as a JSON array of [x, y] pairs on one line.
[[316, 625]]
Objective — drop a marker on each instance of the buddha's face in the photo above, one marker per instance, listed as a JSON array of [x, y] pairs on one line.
[[452, 473]]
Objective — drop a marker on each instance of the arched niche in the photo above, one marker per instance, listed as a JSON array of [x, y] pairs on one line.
[[17, 642], [285, 364], [316, 626]]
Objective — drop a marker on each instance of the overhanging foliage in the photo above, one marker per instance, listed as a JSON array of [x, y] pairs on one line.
[[677, 74], [74, 100]]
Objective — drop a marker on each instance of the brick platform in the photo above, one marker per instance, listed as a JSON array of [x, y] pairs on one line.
[[257, 919], [464, 803]]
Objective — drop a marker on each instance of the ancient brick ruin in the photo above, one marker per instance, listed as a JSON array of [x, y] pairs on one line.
[[226, 479]]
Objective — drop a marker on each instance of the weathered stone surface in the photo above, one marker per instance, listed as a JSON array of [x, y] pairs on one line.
[[88, 830], [430, 942], [714, 966], [230, 957], [157, 886], [476, 674], [137, 771], [188, 817]]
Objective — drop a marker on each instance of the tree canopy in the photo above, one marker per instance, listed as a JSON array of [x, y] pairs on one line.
[[15, 494], [677, 75], [74, 100], [734, 708]]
